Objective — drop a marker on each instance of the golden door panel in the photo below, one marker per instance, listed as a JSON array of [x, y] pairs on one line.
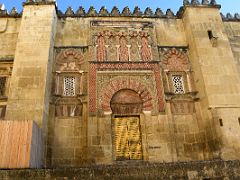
[[128, 144], [121, 135]]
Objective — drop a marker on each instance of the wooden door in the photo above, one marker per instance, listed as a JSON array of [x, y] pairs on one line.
[[128, 144]]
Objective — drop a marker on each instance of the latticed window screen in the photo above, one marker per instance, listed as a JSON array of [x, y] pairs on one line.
[[69, 86], [2, 85], [178, 84]]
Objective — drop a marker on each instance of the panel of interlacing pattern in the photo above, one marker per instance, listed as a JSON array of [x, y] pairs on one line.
[[69, 86], [128, 139], [178, 84]]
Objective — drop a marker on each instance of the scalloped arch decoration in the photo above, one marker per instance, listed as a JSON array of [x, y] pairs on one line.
[[117, 85], [175, 60]]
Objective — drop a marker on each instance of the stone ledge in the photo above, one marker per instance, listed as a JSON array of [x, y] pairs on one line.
[[215, 169]]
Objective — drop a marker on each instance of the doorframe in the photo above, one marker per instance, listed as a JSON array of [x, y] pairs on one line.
[[143, 141]]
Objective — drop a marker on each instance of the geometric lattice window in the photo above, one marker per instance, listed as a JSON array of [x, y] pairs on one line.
[[178, 84], [69, 86], [2, 85]]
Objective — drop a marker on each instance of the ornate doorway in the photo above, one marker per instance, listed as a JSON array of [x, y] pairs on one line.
[[127, 105]]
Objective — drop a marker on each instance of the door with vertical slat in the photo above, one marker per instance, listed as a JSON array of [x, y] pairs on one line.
[[128, 144]]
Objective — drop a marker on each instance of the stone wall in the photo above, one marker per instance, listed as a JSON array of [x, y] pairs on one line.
[[8, 34], [233, 33], [190, 171], [217, 84]]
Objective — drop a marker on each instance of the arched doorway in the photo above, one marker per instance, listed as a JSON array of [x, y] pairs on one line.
[[126, 106]]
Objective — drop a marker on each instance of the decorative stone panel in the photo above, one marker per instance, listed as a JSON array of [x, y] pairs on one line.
[[69, 60], [126, 101], [123, 46], [95, 84], [69, 80], [173, 59], [119, 82]]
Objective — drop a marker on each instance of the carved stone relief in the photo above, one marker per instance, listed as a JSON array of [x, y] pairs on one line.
[[123, 46], [69, 60], [123, 49], [128, 75], [135, 44], [143, 84], [146, 48], [101, 48], [126, 101], [173, 59]]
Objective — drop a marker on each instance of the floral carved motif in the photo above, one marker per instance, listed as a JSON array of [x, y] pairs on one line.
[[69, 60], [175, 60]]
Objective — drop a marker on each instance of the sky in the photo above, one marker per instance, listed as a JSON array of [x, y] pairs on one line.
[[232, 6]]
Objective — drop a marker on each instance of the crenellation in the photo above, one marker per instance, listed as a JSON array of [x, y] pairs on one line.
[[159, 13], [80, 11], [148, 12], [195, 2], [92, 12], [115, 11], [14, 12], [169, 13], [103, 11], [69, 11]]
